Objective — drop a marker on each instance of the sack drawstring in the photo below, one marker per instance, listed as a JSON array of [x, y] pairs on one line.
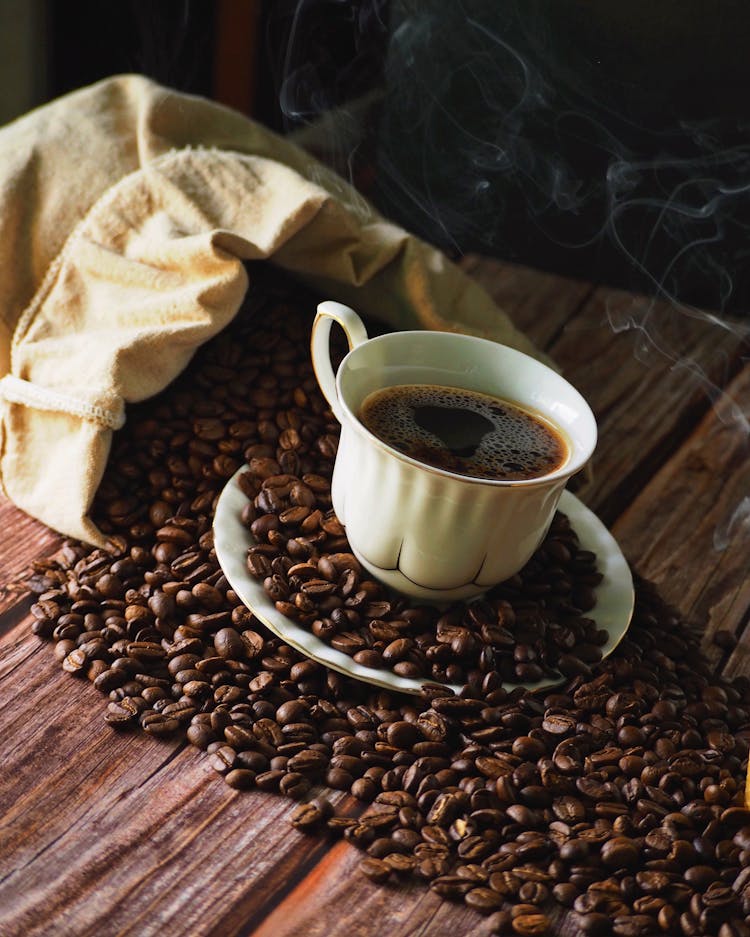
[[16, 390]]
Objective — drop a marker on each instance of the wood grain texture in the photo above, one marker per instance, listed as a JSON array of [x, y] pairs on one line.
[[92, 817], [337, 887], [689, 528], [104, 834], [25, 539], [646, 399], [539, 304]]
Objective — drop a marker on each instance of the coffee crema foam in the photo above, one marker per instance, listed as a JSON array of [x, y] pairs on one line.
[[464, 431]]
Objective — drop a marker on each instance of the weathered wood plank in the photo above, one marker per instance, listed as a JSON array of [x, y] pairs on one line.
[[89, 817], [24, 540], [539, 303], [646, 401], [121, 816], [680, 533], [339, 895], [648, 369], [104, 834]]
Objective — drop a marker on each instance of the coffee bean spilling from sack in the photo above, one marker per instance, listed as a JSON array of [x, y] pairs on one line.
[[616, 795]]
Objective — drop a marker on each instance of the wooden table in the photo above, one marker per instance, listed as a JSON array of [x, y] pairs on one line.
[[105, 834]]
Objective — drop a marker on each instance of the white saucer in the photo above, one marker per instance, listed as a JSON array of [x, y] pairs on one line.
[[614, 595]]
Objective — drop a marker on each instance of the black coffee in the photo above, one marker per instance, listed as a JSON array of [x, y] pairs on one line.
[[464, 431]]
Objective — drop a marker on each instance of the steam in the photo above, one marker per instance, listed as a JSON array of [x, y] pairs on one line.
[[498, 130], [736, 527]]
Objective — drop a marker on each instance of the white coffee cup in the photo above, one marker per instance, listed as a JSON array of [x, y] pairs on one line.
[[424, 531]]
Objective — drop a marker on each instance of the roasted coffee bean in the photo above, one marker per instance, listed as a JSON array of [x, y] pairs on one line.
[[364, 789], [451, 886], [617, 792], [228, 643], [369, 658], [594, 924], [483, 900], [159, 724], [531, 925], [121, 716], [291, 712], [565, 894], [308, 761], [201, 736], [255, 761], [294, 785], [308, 816], [240, 778], [399, 863], [533, 892], [559, 724], [403, 734], [620, 853], [223, 759], [375, 869], [700, 876], [431, 867]]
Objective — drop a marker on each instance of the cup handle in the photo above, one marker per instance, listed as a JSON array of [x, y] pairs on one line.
[[328, 313]]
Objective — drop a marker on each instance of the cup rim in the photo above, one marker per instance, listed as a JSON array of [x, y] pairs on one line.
[[563, 473]]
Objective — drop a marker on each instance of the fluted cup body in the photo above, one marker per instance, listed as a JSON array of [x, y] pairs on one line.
[[430, 533]]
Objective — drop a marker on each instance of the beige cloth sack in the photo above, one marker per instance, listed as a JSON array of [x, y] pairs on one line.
[[126, 211]]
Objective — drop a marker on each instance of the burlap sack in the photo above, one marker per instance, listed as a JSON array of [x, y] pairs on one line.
[[126, 211]]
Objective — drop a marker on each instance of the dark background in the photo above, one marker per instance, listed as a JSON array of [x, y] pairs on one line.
[[603, 140]]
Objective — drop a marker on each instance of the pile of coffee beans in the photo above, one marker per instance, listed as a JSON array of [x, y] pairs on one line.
[[532, 626], [616, 797]]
